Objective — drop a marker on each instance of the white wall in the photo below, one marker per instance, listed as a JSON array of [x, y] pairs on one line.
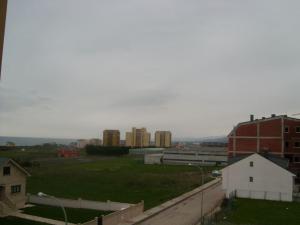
[[80, 203], [152, 158], [269, 180]]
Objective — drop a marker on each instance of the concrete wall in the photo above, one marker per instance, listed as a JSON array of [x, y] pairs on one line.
[[16, 177], [91, 222], [80, 203], [269, 180], [123, 215]]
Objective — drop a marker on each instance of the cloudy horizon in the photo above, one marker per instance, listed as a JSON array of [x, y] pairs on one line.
[[72, 68]]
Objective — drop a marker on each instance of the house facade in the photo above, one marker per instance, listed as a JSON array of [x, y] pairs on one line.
[[259, 177], [277, 135], [12, 186]]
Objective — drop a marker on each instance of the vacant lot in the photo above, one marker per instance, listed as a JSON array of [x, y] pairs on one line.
[[261, 212], [56, 213], [123, 179], [17, 221]]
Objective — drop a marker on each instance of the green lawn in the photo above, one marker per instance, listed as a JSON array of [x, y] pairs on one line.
[[56, 213], [123, 179], [261, 212], [17, 221]]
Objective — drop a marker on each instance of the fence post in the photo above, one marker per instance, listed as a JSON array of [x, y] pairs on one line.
[[80, 203], [109, 205]]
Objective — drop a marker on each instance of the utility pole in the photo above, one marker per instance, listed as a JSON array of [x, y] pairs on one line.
[[3, 9]]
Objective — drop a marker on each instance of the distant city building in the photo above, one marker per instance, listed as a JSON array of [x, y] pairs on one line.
[[163, 139], [122, 142], [138, 138], [111, 138], [95, 141], [81, 143]]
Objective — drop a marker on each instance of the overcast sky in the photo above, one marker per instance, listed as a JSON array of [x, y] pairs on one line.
[[72, 68]]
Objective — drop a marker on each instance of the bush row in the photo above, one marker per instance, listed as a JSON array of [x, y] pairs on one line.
[[103, 150]]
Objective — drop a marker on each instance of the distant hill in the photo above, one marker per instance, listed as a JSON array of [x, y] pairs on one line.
[[29, 141]]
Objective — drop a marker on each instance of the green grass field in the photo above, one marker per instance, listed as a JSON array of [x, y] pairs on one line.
[[56, 213], [17, 221], [123, 179], [261, 212]]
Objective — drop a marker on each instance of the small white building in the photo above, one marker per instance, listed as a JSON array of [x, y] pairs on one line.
[[258, 177], [153, 158]]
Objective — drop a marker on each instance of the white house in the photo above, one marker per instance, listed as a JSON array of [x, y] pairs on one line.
[[259, 177]]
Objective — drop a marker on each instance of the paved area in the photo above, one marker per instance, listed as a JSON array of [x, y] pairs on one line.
[[184, 210], [39, 219]]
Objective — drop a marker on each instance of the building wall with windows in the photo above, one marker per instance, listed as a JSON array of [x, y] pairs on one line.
[[12, 185], [278, 135], [138, 138], [111, 138], [259, 178], [163, 139]]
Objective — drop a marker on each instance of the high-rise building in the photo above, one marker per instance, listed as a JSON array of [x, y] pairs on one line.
[[138, 138], [163, 139], [111, 138]]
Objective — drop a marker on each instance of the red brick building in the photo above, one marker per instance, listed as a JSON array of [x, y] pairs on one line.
[[278, 135]]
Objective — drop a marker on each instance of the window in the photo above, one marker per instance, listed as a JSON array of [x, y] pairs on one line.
[[297, 129], [286, 129], [297, 159], [15, 189], [286, 144], [6, 171], [251, 164], [297, 144], [250, 179]]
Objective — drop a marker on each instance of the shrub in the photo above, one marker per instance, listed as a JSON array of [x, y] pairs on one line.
[[108, 151]]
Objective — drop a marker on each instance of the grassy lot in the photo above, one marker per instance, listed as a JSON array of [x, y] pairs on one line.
[[261, 212], [123, 179], [33, 153], [74, 215], [17, 221]]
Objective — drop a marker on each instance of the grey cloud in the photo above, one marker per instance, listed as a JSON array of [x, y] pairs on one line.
[[12, 100], [103, 62], [146, 99]]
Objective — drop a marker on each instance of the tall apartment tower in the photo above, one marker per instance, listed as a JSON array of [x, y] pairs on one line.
[[138, 138], [163, 139], [111, 138]]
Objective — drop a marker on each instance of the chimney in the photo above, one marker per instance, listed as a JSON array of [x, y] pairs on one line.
[[263, 118], [251, 117], [273, 115]]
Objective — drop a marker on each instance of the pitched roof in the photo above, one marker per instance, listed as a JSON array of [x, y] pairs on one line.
[[281, 162], [4, 160]]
